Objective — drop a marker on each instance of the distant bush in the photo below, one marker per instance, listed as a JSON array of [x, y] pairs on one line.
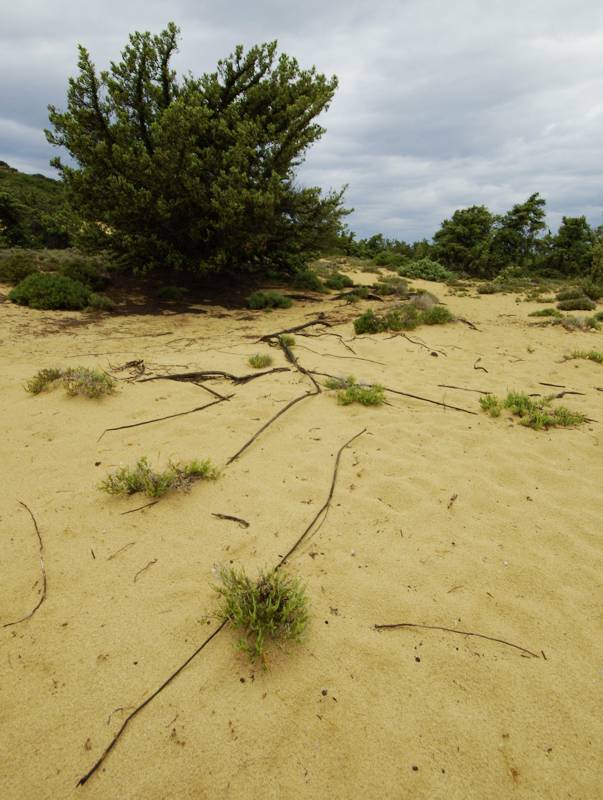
[[588, 355], [15, 267], [577, 304], [143, 479], [259, 360], [487, 288], [338, 281], [572, 293], [571, 323], [50, 291], [368, 322], [391, 285], [171, 293], [307, 280], [268, 299], [426, 269], [592, 290], [101, 302], [424, 301], [536, 413], [75, 380], [387, 258], [404, 317], [85, 271], [437, 315], [545, 312]]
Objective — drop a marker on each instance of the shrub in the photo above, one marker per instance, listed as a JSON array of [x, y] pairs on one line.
[[171, 293], [274, 606], [368, 322], [438, 315], [598, 316], [391, 285], [49, 291], [288, 339], [388, 258], [338, 281], [85, 271], [155, 484], [426, 269], [589, 355], [401, 318], [307, 280], [487, 288], [577, 304], [572, 293], [536, 413], [545, 312], [259, 360], [75, 380], [579, 323], [592, 289], [101, 302], [15, 267], [349, 391], [268, 299]]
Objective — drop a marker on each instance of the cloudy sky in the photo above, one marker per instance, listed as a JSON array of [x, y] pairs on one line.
[[441, 104]]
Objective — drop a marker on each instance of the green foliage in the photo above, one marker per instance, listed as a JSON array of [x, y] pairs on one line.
[[349, 391], [86, 271], [570, 293], [389, 258], [174, 294], [545, 312], [536, 413], [75, 380], [589, 355], [287, 339], [197, 173], [338, 281], [571, 249], [463, 242], [437, 315], [16, 267], [143, 479], [101, 302], [487, 288], [268, 299], [259, 360], [592, 289], [50, 291], [517, 236], [273, 607], [577, 304], [426, 269], [368, 322], [307, 280], [405, 317], [391, 285], [571, 323]]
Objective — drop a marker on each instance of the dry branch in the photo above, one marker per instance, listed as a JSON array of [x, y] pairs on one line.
[[242, 522], [42, 568], [468, 322], [195, 377], [269, 337], [146, 505], [454, 630], [476, 365], [462, 388]]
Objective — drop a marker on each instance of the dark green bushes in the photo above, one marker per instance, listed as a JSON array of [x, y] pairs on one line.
[[308, 281], [577, 304], [50, 291], [338, 281], [16, 267], [268, 299], [426, 269], [405, 317]]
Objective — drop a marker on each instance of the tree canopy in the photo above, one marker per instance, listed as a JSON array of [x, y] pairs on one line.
[[196, 173]]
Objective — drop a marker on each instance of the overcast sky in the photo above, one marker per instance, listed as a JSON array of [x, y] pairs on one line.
[[441, 105]]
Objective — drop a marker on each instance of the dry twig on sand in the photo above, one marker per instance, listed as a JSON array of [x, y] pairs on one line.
[[241, 522], [42, 569]]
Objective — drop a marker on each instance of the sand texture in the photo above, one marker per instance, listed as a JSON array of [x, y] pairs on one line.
[[439, 518]]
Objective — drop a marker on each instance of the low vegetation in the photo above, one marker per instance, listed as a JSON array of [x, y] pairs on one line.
[[50, 291], [536, 413], [588, 355], [259, 360], [75, 380], [349, 391], [577, 304], [426, 269], [272, 607], [287, 339], [338, 281], [404, 317], [307, 280], [546, 312], [141, 478], [268, 299]]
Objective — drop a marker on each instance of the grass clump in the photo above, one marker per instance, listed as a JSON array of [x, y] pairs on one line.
[[536, 413], [368, 322], [287, 339], [349, 391], [577, 304], [50, 291], [571, 293], [272, 607], [404, 317], [268, 299], [307, 280], [438, 315], [545, 312], [259, 360], [142, 478], [589, 355], [338, 281], [75, 380]]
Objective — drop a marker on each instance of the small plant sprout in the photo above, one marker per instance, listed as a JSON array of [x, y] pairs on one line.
[[142, 478], [589, 355], [272, 607], [536, 413], [349, 391], [75, 380], [259, 360]]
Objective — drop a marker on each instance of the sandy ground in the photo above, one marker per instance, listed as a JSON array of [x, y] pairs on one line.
[[350, 712]]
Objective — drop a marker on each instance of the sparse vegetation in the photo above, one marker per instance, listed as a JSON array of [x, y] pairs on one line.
[[349, 391], [487, 288], [588, 355], [545, 312], [405, 317], [50, 291], [272, 607], [75, 380], [141, 478], [268, 299], [259, 360], [577, 304], [437, 315], [338, 281], [536, 413], [570, 293], [100, 302], [288, 339]]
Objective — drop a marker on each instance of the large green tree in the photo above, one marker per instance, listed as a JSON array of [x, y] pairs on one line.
[[463, 242], [518, 238], [571, 250], [196, 173]]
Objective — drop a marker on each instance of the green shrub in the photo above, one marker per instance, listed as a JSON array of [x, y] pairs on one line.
[[577, 304], [402, 318], [536, 413], [338, 281], [288, 339], [274, 606], [101, 302], [491, 405], [571, 323], [307, 280], [571, 293], [349, 391], [368, 322], [49, 291], [426, 269], [268, 299], [487, 288], [592, 289], [589, 355], [15, 267], [545, 312], [598, 317], [438, 315], [155, 484], [391, 285], [171, 293], [259, 360], [388, 258], [75, 380], [85, 271]]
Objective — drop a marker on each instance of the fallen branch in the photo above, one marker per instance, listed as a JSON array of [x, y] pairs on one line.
[[140, 571], [42, 568], [454, 630], [554, 385], [132, 510], [475, 366], [330, 333], [334, 355], [420, 343], [242, 522], [160, 419], [292, 359], [461, 388], [125, 547], [195, 377], [295, 329], [469, 323]]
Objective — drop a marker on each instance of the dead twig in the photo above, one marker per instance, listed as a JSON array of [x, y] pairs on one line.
[[333, 355], [451, 501], [475, 366], [146, 505], [462, 388], [292, 359], [196, 377], [140, 571], [295, 329], [121, 549], [242, 522], [161, 419], [554, 385], [454, 630], [42, 569], [469, 323], [330, 333]]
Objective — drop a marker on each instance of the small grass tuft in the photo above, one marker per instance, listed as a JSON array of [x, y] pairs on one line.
[[274, 606], [75, 380], [288, 339], [536, 413], [546, 312], [259, 360], [491, 404], [268, 299], [589, 355], [349, 391], [142, 478]]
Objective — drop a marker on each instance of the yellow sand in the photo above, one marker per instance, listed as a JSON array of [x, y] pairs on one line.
[[350, 712]]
